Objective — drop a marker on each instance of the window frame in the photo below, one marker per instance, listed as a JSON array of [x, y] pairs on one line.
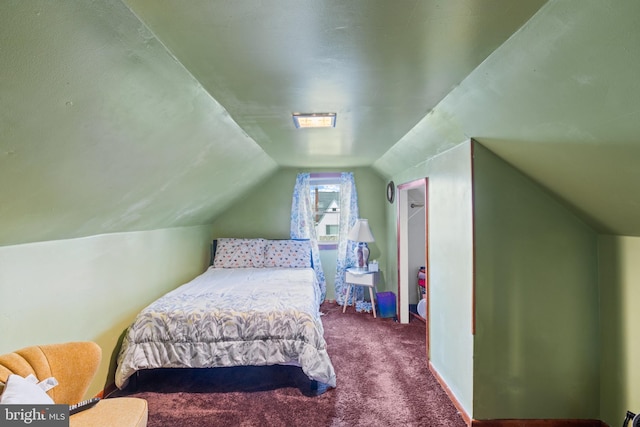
[[331, 178]]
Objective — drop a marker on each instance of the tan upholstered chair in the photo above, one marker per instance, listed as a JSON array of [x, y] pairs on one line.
[[74, 365]]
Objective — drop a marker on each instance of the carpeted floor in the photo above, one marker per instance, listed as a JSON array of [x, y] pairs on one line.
[[383, 380]]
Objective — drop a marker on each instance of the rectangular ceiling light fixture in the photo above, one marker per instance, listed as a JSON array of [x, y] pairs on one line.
[[314, 120]]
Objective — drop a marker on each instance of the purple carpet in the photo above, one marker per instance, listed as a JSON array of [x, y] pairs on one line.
[[381, 367]]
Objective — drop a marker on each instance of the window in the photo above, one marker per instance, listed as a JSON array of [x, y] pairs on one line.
[[333, 229], [325, 197]]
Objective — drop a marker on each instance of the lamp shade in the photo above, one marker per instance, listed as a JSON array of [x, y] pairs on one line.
[[361, 231]]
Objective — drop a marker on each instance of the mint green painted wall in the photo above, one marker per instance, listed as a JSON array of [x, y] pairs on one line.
[[450, 265], [536, 352], [266, 211], [91, 288], [619, 295]]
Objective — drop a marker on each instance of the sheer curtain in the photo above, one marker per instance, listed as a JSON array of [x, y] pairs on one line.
[[303, 226], [346, 247]]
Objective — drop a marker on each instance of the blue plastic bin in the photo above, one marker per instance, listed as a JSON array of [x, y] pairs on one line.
[[386, 304]]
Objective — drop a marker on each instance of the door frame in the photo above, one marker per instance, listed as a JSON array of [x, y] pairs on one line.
[[402, 244]]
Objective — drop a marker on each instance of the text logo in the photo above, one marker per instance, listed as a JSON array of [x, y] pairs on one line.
[[34, 415]]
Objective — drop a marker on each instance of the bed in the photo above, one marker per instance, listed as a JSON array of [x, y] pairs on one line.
[[257, 304]]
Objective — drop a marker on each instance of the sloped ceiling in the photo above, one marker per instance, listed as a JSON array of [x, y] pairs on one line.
[[103, 130], [143, 114], [560, 100], [380, 65]]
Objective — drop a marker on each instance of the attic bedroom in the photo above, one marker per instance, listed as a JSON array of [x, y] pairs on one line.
[[133, 133]]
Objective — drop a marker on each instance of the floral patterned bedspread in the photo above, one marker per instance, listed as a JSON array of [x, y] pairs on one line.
[[232, 317]]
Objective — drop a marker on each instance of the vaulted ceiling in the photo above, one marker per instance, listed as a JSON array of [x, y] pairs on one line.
[[121, 115], [380, 65]]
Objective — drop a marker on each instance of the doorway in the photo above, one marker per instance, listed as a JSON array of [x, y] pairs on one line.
[[413, 226]]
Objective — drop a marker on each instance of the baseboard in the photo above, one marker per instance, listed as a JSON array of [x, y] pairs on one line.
[[538, 423], [452, 397], [511, 422]]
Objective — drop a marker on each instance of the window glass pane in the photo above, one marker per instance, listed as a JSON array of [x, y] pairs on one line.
[[325, 195], [332, 229]]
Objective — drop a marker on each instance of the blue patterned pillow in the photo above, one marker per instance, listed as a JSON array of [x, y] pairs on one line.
[[240, 253], [288, 254]]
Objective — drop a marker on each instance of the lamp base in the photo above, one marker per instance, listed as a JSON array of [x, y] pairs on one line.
[[362, 256]]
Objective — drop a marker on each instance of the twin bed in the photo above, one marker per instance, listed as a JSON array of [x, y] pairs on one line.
[[256, 305]]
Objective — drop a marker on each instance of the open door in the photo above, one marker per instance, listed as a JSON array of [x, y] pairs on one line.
[[413, 248]]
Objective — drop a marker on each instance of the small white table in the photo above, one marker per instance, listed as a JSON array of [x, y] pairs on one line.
[[357, 277]]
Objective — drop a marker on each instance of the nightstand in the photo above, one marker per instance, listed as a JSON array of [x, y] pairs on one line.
[[357, 277]]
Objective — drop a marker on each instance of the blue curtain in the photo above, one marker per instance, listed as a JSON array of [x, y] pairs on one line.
[[346, 247], [303, 226]]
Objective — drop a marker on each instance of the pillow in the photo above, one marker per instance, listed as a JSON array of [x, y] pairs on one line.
[[239, 253], [288, 253], [23, 391]]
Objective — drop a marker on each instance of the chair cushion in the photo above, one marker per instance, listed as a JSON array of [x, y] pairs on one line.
[[110, 412]]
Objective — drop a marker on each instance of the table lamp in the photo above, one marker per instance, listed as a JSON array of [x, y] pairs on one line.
[[361, 233]]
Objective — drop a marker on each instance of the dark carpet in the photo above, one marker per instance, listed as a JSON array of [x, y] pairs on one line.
[[382, 380]]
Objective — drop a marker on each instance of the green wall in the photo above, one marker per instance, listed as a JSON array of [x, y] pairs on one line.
[[536, 348], [540, 349], [450, 264], [619, 295], [265, 212], [91, 288], [536, 352]]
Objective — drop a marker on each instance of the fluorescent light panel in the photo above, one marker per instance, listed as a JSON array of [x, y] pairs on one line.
[[314, 120]]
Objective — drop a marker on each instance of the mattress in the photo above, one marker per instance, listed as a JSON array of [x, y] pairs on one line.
[[232, 317]]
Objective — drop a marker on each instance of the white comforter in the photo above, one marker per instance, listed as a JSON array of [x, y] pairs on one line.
[[232, 317]]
